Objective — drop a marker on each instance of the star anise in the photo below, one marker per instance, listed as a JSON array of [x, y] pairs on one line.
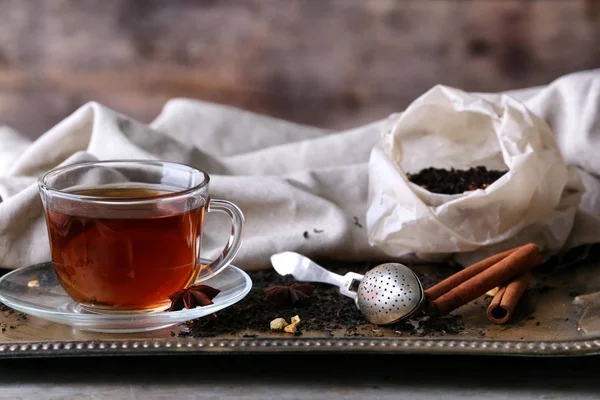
[[289, 295], [193, 296]]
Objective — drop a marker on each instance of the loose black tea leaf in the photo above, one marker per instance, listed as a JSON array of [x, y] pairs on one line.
[[455, 181], [327, 311]]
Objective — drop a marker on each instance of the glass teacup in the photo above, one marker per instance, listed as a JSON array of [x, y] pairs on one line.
[[126, 234]]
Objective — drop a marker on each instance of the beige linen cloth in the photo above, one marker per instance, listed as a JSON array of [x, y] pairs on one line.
[[301, 188]]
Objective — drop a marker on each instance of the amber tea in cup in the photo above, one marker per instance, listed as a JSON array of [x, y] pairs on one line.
[[134, 262], [125, 235]]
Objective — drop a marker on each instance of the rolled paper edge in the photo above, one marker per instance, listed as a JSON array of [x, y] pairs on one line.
[[526, 258], [443, 287], [507, 298]]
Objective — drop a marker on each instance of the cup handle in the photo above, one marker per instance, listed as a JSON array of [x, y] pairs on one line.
[[234, 243]]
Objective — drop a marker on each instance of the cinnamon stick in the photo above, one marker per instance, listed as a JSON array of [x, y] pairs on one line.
[[456, 279], [517, 263], [504, 302]]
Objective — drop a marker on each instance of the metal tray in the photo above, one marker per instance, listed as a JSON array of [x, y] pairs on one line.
[[563, 320]]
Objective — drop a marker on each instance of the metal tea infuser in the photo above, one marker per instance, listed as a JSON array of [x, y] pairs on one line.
[[385, 294], [392, 292]]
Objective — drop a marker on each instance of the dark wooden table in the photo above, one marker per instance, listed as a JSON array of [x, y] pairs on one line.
[[301, 376], [329, 63]]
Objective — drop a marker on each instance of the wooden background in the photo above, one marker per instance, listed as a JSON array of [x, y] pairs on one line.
[[330, 63]]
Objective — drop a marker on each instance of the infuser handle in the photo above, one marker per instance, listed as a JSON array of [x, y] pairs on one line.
[[305, 270]]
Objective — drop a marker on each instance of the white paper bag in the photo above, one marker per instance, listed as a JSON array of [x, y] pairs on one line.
[[535, 201]]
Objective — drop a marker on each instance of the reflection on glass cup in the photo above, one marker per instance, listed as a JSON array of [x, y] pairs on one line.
[[125, 235]]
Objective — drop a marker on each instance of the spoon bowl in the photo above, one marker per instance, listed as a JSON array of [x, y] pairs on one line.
[[389, 293]]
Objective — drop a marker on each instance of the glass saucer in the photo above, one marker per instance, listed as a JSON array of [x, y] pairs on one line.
[[46, 299]]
